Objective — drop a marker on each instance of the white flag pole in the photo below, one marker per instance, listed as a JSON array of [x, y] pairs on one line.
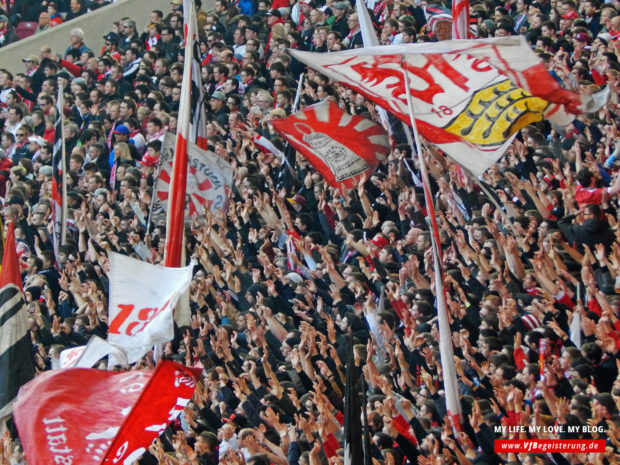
[[446, 351]]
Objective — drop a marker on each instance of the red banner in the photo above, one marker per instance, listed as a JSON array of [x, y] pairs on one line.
[[340, 146], [90, 417]]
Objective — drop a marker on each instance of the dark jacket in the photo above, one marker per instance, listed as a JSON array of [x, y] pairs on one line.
[[591, 232], [9, 36]]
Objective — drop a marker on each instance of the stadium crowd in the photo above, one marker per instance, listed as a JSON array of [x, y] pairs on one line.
[[536, 257]]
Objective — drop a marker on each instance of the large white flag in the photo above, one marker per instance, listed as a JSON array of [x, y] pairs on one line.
[[470, 96], [142, 297], [86, 356], [208, 180]]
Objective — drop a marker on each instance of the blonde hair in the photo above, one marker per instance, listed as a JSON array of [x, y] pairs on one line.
[[121, 152]]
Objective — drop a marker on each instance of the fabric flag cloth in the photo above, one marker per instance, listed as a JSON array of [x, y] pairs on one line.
[[208, 182], [353, 451], [197, 120], [59, 223], [90, 417], [460, 19], [369, 36], [340, 146], [86, 356], [470, 97], [142, 297], [16, 357], [175, 220]]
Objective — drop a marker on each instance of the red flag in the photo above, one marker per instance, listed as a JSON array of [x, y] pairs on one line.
[[10, 263], [460, 19], [178, 185], [16, 358], [340, 146], [90, 417]]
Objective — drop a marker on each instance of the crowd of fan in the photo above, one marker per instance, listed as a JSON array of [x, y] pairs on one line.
[[46, 14], [294, 265]]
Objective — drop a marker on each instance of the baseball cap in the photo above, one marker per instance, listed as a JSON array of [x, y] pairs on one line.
[[340, 6], [274, 13], [583, 37], [37, 140], [218, 95], [294, 277], [149, 160], [121, 129], [64, 74], [112, 37], [32, 58], [379, 241], [297, 200]]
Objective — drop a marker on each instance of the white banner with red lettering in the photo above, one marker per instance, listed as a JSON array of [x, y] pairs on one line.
[[86, 356], [142, 297], [209, 179], [82, 416]]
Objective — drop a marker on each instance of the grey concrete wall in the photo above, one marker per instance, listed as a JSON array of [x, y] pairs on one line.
[[95, 25]]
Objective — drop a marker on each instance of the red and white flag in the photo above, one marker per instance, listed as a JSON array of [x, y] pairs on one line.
[[342, 147], [175, 224], [197, 121], [460, 19], [470, 97], [142, 297], [209, 180], [92, 417], [86, 356]]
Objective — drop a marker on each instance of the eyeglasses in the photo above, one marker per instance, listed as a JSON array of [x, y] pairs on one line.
[[20, 134]]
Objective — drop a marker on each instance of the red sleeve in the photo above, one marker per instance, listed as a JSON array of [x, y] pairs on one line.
[[329, 215], [512, 418], [595, 307], [339, 417], [399, 307], [330, 445], [566, 300], [403, 427], [598, 79], [616, 338], [72, 68], [585, 197], [520, 358]]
